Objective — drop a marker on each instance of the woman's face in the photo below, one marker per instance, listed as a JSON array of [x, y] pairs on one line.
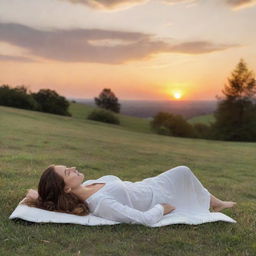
[[71, 176]]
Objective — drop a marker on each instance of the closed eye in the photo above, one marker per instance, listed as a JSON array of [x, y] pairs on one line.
[[67, 172]]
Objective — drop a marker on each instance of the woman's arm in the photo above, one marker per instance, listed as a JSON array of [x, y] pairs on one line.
[[113, 210]]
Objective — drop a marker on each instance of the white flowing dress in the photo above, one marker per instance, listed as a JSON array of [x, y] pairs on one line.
[[140, 202]]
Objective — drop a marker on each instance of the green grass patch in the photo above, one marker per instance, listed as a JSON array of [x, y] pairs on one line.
[[79, 110], [30, 141], [204, 119]]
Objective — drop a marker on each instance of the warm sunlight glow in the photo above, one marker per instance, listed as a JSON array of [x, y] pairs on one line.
[[161, 57], [177, 91], [177, 95]]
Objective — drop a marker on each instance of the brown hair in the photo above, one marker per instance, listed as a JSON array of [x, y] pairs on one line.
[[52, 196]]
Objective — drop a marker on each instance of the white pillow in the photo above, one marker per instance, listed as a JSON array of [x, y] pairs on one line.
[[39, 215]]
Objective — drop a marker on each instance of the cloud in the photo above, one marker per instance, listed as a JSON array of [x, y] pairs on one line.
[[120, 4], [108, 4], [240, 4], [15, 58], [234, 4], [199, 47], [117, 4], [178, 1], [96, 45]]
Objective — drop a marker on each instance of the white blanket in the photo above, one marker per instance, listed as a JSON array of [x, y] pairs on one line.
[[38, 215]]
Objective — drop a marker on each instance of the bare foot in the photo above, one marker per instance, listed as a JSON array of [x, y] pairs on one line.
[[222, 205]]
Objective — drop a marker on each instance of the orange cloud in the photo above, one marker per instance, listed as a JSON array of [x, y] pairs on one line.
[[240, 4], [95, 45]]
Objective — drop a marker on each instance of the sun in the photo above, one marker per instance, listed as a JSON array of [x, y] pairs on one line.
[[177, 95]]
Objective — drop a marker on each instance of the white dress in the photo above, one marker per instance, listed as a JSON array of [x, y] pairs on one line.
[[140, 202]]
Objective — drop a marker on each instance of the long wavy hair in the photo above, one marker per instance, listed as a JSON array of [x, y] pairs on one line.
[[52, 197]]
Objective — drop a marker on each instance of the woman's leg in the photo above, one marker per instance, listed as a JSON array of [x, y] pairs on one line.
[[218, 205]]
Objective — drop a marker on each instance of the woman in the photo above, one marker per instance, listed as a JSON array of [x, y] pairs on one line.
[[143, 202]]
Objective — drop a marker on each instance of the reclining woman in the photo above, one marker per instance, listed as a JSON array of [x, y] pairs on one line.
[[144, 202]]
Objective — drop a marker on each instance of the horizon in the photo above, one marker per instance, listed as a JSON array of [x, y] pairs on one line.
[[170, 50], [119, 99]]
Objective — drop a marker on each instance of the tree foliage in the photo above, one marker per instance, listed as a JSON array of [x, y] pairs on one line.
[[108, 100], [51, 102], [236, 113], [241, 85], [17, 97], [45, 100]]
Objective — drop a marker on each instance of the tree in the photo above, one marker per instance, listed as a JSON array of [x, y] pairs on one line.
[[51, 102], [17, 97], [236, 113], [108, 100]]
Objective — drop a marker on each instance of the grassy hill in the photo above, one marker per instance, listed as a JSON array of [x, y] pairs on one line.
[[81, 111], [205, 119], [30, 141]]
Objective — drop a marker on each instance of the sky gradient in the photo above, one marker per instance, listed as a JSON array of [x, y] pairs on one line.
[[141, 49]]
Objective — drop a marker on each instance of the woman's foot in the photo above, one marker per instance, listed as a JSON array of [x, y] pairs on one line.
[[222, 205]]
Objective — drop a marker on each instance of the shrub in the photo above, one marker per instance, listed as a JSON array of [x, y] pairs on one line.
[[103, 115], [49, 101], [172, 125], [17, 97], [202, 130]]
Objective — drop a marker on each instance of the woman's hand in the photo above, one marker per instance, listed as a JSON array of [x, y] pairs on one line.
[[32, 194], [168, 208]]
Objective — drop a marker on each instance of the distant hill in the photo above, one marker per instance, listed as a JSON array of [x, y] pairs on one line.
[[148, 109]]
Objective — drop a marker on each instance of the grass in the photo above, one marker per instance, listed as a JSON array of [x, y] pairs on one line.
[[30, 141], [81, 111], [205, 119]]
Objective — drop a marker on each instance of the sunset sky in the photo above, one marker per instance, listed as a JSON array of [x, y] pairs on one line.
[[141, 49]]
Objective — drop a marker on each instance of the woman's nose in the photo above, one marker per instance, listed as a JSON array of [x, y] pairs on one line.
[[74, 169]]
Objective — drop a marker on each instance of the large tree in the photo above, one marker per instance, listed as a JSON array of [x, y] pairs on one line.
[[108, 100], [236, 112], [50, 101]]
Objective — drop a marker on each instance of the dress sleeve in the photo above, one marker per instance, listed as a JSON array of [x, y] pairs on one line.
[[111, 209]]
